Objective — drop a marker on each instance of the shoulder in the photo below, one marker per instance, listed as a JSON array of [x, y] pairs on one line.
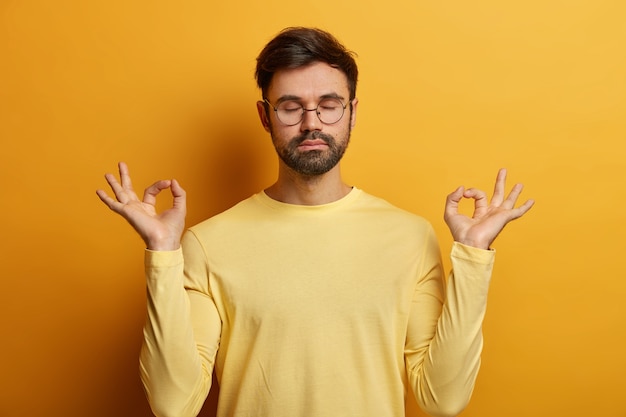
[[242, 212], [382, 208]]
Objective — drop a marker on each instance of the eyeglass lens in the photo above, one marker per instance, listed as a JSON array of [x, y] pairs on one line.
[[329, 111]]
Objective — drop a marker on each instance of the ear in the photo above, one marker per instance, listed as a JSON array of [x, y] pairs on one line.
[[355, 101], [265, 121]]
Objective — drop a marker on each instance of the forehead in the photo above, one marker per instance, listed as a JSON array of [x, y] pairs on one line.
[[308, 82]]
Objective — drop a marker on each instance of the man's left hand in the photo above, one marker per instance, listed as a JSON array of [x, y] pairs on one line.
[[489, 218]]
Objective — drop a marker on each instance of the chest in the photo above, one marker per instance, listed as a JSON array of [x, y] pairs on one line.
[[307, 277]]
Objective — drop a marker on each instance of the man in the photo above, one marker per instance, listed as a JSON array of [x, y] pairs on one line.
[[311, 298]]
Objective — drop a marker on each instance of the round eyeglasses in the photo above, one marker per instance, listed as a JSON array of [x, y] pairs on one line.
[[291, 112]]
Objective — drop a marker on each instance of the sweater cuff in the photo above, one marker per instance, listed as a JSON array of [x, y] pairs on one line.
[[472, 254], [163, 259]]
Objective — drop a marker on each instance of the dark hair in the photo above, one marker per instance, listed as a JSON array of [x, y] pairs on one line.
[[296, 47]]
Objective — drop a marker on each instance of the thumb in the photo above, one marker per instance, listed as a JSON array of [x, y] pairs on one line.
[[452, 201], [179, 195]]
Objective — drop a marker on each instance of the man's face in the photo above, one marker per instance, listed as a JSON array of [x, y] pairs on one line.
[[310, 147]]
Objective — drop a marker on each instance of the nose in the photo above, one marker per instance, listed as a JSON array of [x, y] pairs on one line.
[[310, 120]]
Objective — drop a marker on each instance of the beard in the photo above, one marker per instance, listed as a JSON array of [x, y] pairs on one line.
[[314, 162]]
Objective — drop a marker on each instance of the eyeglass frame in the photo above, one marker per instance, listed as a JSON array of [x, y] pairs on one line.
[[304, 109]]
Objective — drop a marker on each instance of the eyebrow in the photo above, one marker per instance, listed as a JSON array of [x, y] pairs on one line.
[[290, 97]]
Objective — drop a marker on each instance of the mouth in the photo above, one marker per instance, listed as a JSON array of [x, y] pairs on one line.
[[312, 144]]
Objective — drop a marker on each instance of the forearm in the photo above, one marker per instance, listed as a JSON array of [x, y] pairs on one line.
[[444, 381], [175, 376]]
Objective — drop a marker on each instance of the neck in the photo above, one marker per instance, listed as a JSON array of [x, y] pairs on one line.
[[294, 188]]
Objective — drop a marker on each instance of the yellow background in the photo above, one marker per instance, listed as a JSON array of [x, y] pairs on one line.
[[449, 92]]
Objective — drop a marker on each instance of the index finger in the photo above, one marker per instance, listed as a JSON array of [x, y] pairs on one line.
[[150, 193]]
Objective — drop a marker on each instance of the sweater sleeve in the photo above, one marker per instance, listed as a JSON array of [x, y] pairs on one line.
[[444, 339], [182, 331]]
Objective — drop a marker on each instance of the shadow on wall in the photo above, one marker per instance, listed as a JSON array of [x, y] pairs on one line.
[[129, 398], [228, 163], [210, 406]]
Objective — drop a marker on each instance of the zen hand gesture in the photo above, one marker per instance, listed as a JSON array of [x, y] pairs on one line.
[[159, 231], [489, 217]]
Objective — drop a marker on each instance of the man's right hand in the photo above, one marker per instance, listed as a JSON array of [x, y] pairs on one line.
[[160, 232]]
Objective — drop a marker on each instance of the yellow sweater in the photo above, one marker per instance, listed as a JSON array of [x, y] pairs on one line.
[[313, 311]]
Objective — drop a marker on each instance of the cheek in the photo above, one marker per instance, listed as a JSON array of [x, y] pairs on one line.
[[281, 136], [345, 131]]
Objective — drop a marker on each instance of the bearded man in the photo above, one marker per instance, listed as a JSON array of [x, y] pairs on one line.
[[312, 298]]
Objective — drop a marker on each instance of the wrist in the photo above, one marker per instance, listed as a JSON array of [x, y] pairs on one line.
[[475, 244], [163, 245]]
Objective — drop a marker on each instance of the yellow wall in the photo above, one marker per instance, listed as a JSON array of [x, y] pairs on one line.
[[449, 92]]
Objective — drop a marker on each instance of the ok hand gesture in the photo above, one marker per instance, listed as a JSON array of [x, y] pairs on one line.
[[159, 231], [489, 217]]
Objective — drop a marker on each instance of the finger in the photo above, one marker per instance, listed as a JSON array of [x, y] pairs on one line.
[[521, 210], [518, 212], [479, 196], [498, 191], [511, 199], [116, 187], [150, 193], [106, 199], [103, 196], [125, 176], [455, 197]]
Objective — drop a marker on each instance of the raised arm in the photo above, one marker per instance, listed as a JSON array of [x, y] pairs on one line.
[[182, 328], [444, 339]]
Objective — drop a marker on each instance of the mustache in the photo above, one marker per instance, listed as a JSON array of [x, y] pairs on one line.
[[316, 134]]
